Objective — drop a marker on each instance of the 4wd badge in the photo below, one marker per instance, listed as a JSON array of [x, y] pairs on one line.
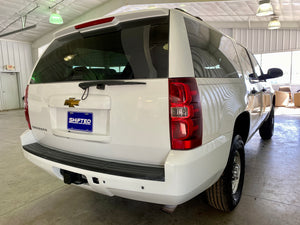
[[71, 102]]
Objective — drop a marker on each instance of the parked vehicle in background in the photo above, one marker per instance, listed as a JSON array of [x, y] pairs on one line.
[[150, 105]]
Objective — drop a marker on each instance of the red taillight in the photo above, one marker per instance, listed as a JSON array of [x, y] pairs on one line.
[[94, 22], [185, 113], [26, 107]]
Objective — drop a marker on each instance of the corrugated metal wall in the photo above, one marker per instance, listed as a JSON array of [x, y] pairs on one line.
[[17, 54], [266, 41], [227, 31]]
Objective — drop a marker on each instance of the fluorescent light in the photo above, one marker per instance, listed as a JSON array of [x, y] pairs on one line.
[[274, 23], [265, 8], [55, 18]]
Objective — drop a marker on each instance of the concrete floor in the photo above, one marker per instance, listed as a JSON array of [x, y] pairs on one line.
[[271, 193]]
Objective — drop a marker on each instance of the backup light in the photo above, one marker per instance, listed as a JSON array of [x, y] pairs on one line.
[[185, 114], [265, 8], [55, 18], [274, 23]]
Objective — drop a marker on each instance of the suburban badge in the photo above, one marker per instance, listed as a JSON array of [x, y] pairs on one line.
[[71, 102]]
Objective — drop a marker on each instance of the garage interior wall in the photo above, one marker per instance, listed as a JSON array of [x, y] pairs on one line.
[[267, 41], [260, 41], [19, 55]]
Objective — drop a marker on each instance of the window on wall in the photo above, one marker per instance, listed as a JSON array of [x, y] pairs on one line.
[[296, 67], [280, 60], [287, 61]]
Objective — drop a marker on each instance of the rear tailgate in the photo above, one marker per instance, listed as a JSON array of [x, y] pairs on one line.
[[129, 123], [116, 122]]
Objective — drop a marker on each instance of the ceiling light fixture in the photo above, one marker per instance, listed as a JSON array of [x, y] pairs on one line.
[[265, 8], [55, 18], [274, 23]]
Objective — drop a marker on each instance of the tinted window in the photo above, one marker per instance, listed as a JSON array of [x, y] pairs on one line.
[[213, 54], [131, 51]]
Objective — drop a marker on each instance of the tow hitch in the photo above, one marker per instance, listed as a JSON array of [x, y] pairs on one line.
[[73, 178]]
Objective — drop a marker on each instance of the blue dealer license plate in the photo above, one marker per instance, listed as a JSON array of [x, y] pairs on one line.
[[80, 121]]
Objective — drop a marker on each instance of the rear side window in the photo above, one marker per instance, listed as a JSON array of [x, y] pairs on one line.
[[132, 50], [213, 54]]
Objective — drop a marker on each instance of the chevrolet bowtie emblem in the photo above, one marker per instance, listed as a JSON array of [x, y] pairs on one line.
[[71, 102]]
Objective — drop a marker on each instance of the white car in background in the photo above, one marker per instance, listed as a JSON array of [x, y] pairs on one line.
[[150, 105]]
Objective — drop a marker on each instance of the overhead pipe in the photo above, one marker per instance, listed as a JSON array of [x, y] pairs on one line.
[[22, 19], [51, 7], [17, 31]]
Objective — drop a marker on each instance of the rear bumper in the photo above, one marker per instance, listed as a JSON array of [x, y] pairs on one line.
[[146, 172], [184, 175]]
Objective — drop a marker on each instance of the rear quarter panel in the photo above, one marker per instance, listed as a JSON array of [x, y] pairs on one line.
[[222, 99]]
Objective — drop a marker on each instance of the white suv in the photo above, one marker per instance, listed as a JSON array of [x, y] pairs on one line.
[[151, 105]]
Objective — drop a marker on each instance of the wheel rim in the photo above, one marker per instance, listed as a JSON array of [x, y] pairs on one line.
[[236, 172]]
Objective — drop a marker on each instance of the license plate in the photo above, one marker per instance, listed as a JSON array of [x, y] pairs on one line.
[[80, 121]]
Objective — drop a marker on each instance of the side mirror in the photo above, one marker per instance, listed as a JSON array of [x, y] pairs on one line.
[[272, 73]]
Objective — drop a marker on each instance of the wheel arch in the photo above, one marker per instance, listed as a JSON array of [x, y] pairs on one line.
[[242, 126]]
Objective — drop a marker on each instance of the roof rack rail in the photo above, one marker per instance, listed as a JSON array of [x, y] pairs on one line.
[[182, 10]]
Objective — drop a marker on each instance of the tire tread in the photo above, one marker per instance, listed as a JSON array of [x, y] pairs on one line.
[[219, 194]]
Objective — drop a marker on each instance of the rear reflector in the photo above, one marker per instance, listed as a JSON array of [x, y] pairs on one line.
[[185, 113], [94, 22], [26, 107]]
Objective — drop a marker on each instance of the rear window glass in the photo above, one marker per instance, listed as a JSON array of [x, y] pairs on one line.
[[213, 54], [132, 50]]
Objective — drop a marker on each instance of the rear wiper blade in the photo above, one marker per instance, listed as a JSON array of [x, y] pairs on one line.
[[101, 84]]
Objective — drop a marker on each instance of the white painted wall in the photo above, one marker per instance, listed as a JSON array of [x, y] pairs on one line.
[[17, 54]]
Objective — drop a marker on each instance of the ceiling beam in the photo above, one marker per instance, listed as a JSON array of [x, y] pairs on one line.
[[138, 2], [18, 31]]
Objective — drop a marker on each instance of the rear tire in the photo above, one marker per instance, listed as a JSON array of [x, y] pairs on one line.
[[226, 193], [267, 128]]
